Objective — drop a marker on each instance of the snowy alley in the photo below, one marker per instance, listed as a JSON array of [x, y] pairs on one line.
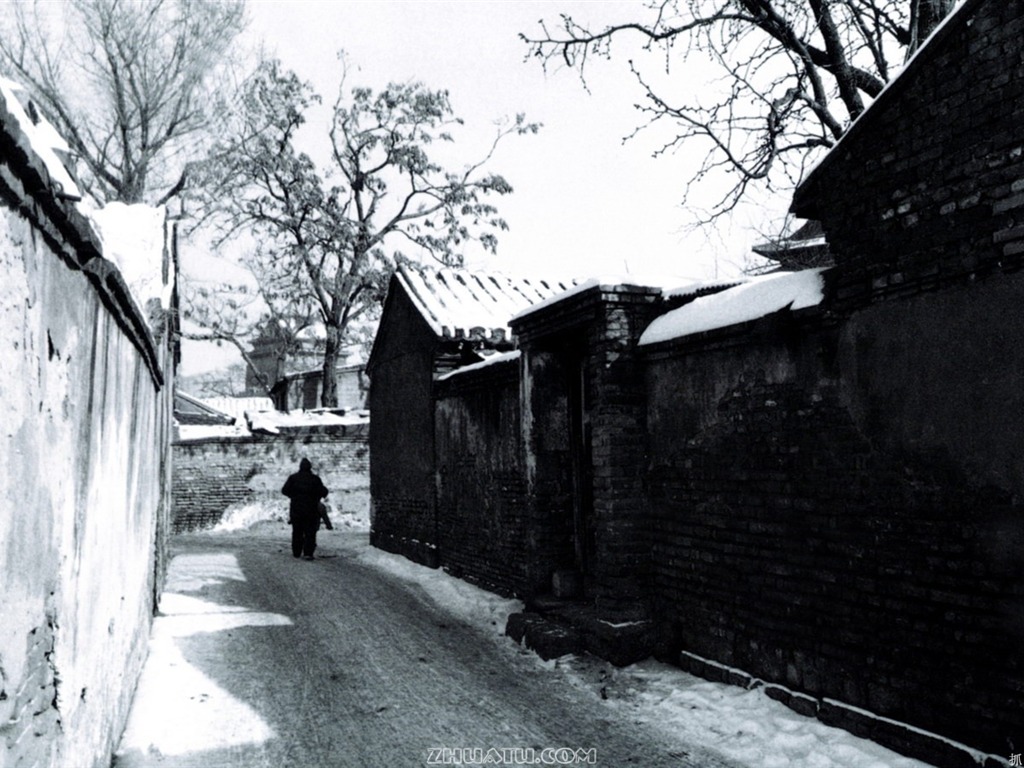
[[362, 658]]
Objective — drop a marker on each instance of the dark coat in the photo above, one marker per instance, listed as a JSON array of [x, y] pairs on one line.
[[305, 489]]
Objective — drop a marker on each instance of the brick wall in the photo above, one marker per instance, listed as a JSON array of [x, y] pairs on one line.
[[927, 188], [617, 414], [585, 438], [213, 474], [403, 518], [481, 485], [788, 544]]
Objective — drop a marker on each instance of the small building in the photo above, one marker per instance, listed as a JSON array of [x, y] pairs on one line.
[[433, 322], [304, 390], [275, 352]]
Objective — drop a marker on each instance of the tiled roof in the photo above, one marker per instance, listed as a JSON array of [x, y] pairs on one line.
[[191, 410], [459, 304]]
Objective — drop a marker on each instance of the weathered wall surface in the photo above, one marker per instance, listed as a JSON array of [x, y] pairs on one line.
[[84, 480], [787, 543], [481, 486], [213, 474], [939, 373], [403, 515]]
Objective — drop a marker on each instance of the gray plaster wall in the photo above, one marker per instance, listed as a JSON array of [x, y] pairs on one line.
[[84, 479]]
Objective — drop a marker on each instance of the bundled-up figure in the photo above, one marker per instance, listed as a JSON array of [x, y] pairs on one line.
[[305, 490]]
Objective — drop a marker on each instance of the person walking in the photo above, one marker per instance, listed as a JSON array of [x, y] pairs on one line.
[[305, 490]]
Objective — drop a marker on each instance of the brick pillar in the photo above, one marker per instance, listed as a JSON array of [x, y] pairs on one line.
[[619, 451]]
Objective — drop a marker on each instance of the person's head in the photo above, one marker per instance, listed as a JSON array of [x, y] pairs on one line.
[[305, 466]]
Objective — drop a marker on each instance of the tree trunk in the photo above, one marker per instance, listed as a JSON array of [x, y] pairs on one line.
[[925, 16], [329, 398]]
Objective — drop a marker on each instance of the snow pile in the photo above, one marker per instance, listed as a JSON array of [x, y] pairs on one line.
[[274, 421], [748, 301], [469, 604], [135, 240], [240, 517], [744, 725], [188, 432], [255, 513], [42, 136]]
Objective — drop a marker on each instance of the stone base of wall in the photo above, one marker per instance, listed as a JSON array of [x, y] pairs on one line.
[[419, 552], [212, 475], [893, 734], [553, 628]]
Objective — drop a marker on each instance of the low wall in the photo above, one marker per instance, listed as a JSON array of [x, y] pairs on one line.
[[84, 481], [212, 475]]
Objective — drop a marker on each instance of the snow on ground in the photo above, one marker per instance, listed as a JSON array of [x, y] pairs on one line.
[[744, 725], [247, 515], [168, 716], [471, 605]]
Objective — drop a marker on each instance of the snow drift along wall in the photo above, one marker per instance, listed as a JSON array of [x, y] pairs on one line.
[[84, 477], [214, 475]]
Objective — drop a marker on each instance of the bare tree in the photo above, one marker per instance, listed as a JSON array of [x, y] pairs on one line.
[[327, 239], [793, 74], [225, 382], [266, 314], [130, 84]]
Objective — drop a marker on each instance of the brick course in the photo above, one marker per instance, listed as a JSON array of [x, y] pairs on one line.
[[213, 474]]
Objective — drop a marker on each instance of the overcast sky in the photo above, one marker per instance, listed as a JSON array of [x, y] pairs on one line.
[[585, 203]]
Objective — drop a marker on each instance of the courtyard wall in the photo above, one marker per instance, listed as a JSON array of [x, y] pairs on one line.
[[85, 475]]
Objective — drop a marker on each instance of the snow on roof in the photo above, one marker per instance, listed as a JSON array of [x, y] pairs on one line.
[[239, 406], [486, 363], [474, 305], [748, 301], [698, 288], [187, 432], [274, 421], [42, 137], [134, 238], [666, 283], [192, 410]]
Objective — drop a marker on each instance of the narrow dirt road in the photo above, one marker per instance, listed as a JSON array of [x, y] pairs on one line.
[[260, 659]]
